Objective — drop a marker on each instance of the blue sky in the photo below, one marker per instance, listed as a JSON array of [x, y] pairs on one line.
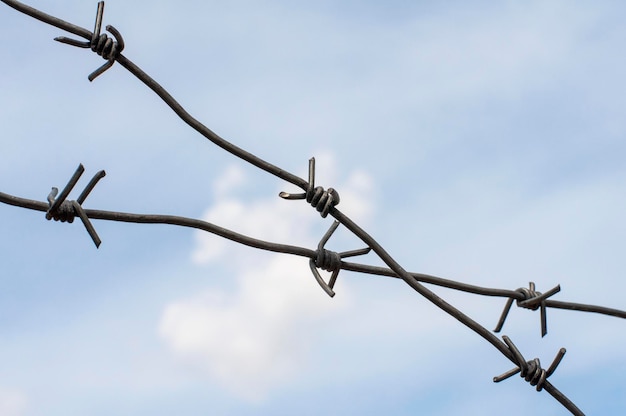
[[476, 141]]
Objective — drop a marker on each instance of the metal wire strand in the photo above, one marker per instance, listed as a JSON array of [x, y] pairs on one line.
[[512, 295], [301, 251]]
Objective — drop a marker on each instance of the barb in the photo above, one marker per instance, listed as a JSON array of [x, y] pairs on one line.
[[65, 211], [323, 201], [533, 373], [330, 261], [100, 43], [531, 300], [53, 211]]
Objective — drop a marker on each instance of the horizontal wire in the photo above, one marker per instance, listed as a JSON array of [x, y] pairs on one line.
[[303, 252], [171, 220]]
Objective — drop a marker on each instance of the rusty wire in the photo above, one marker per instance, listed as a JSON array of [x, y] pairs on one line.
[[324, 201]]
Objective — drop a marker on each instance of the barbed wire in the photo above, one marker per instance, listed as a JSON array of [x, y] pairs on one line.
[[322, 258], [324, 201]]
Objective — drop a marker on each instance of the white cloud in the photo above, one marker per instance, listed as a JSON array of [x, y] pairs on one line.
[[12, 402], [256, 337], [232, 178]]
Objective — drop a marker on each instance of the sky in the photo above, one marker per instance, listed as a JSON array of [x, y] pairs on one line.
[[477, 141]]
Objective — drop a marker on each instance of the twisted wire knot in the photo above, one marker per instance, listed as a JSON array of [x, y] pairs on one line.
[[330, 261], [65, 212], [323, 201], [106, 47], [531, 371], [534, 374], [531, 299], [101, 44], [60, 209]]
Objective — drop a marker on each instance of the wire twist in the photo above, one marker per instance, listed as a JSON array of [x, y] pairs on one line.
[[530, 371], [60, 209], [64, 213], [323, 201], [330, 261], [100, 43], [532, 300]]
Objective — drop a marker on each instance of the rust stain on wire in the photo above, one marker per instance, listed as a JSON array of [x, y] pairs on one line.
[[324, 201]]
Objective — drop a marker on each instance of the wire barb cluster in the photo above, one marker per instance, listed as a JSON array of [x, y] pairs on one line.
[[100, 43], [330, 261], [530, 371], [60, 209], [323, 201], [531, 300]]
